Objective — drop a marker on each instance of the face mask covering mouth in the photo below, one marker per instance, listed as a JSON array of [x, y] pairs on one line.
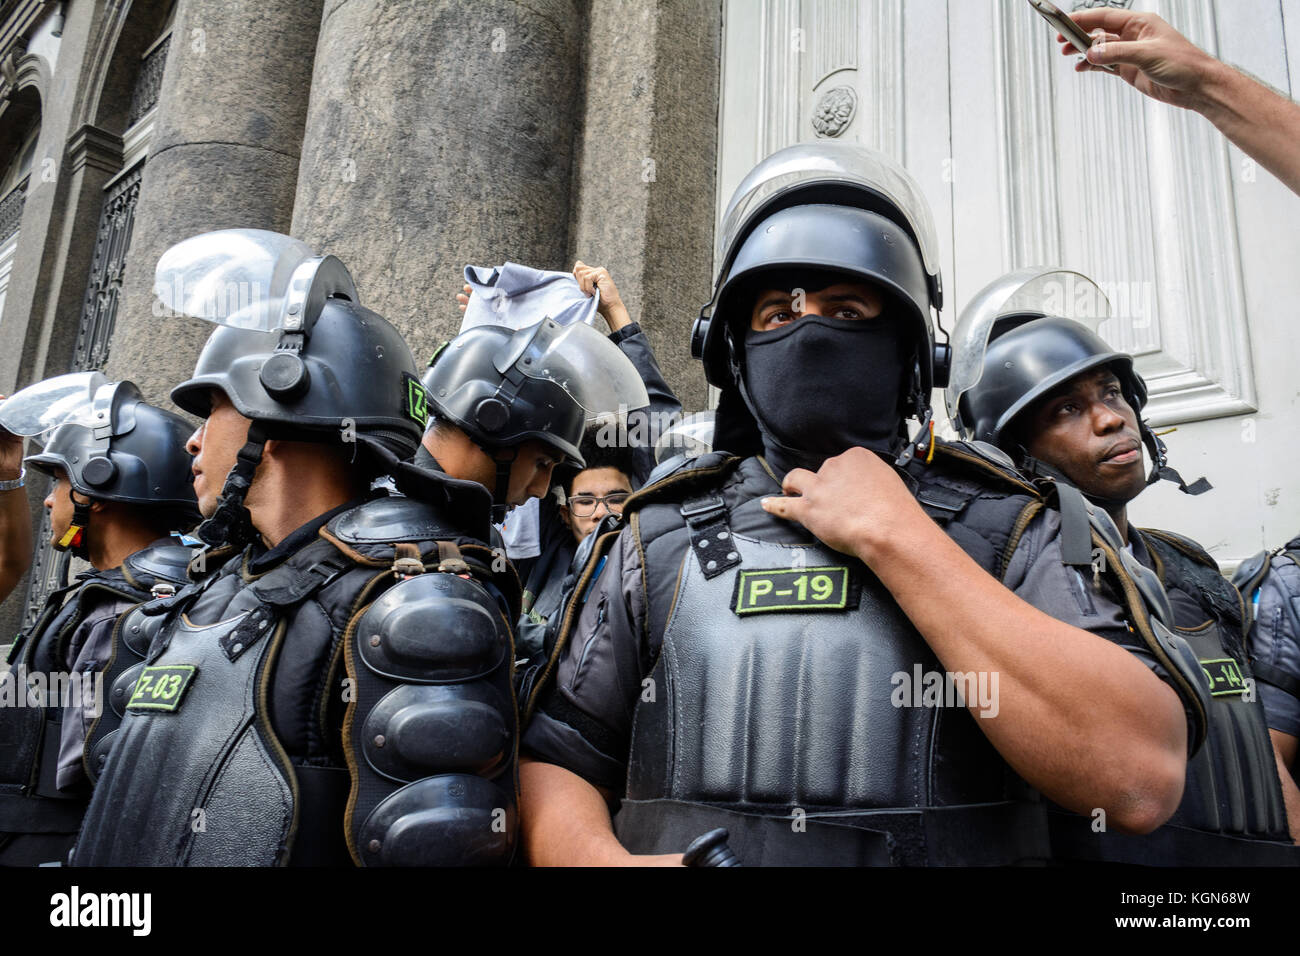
[[821, 386]]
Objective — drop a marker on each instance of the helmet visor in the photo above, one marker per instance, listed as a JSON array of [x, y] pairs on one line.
[[809, 165], [234, 277], [586, 364], [1033, 292], [40, 408]]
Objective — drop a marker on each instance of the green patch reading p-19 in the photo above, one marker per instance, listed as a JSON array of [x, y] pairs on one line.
[[792, 589], [1224, 676], [161, 687]]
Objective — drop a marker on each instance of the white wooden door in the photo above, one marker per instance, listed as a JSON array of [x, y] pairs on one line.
[[1025, 162]]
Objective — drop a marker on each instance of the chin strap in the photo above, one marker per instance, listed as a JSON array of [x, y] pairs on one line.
[[1160, 465], [74, 539], [231, 523], [501, 494]]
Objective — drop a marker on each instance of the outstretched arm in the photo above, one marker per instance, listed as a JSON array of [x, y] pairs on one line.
[[1163, 64], [15, 518]]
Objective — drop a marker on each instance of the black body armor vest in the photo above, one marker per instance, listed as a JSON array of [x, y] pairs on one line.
[[351, 703], [793, 702], [1232, 812], [31, 804]]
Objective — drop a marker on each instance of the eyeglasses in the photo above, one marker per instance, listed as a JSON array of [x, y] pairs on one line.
[[584, 506]]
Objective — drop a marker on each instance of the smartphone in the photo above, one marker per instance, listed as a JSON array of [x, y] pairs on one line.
[[1066, 27]]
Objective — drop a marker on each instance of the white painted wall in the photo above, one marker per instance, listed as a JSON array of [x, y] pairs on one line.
[[1025, 162]]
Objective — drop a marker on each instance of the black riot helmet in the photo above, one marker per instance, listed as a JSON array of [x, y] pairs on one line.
[[836, 212], [503, 387], [112, 445], [1013, 346], [296, 353]]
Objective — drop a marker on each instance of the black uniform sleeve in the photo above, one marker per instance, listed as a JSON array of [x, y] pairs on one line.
[[584, 720], [1036, 574], [664, 406]]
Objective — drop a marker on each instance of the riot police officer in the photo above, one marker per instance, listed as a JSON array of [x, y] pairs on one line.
[[1270, 587], [339, 688], [754, 660], [122, 483], [1050, 392]]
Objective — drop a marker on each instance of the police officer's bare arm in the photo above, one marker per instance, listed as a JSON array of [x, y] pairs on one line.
[[566, 822], [1079, 718], [1284, 750], [1162, 63], [15, 518]]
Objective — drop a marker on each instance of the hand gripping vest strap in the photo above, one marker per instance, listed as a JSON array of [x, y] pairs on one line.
[[762, 705], [432, 730]]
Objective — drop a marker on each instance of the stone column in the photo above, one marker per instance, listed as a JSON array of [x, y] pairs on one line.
[[440, 133], [644, 202], [225, 155]]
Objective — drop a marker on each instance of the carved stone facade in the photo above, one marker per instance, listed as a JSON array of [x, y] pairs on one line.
[[343, 123], [11, 210]]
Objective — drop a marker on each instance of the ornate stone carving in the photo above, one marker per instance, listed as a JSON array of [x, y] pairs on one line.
[[1089, 4], [11, 210], [835, 111], [99, 310], [148, 82]]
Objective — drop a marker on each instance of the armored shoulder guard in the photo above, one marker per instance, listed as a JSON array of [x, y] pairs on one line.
[[431, 727], [431, 730], [689, 477], [1251, 572], [167, 563], [410, 535], [973, 491]]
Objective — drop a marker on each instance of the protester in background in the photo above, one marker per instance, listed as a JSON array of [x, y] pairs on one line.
[[545, 573]]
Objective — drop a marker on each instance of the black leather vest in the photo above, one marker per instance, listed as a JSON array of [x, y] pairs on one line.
[[790, 685], [30, 801], [236, 747]]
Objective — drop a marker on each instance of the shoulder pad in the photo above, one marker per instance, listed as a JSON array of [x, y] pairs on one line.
[[1186, 545], [469, 501], [392, 519], [166, 561], [1251, 571], [988, 461], [706, 471]]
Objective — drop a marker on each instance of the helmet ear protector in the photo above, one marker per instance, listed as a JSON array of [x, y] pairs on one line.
[[99, 471]]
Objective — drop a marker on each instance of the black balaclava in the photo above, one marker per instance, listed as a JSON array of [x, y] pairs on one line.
[[819, 386]]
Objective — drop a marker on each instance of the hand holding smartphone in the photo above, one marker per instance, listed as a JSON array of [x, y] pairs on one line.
[[1073, 33]]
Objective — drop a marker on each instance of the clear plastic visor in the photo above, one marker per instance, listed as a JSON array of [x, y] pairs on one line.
[[42, 407], [809, 164], [693, 434], [580, 360], [233, 277], [1037, 290]]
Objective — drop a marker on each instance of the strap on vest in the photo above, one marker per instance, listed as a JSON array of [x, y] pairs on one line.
[[1276, 677], [1073, 840], [302, 575], [988, 834], [706, 522], [1076, 534]]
